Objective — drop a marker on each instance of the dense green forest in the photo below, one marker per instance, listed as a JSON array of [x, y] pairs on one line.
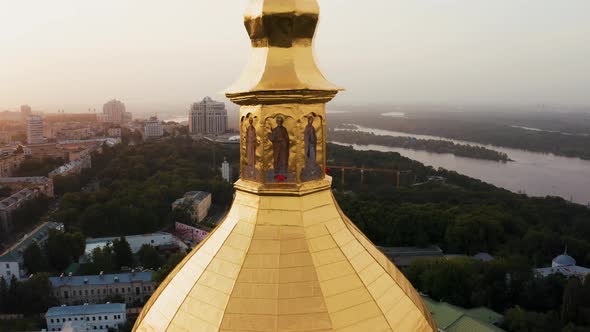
[[137, 184], [430, 145], [476, 128]]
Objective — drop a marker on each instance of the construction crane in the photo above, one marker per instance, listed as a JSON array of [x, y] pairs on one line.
[[363, 169]]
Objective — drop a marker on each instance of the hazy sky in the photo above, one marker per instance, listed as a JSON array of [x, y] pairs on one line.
[[61, 53]]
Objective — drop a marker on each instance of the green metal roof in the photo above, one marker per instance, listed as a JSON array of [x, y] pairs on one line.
[[450, 318], [470, 324], [485, 314], [443, 313]]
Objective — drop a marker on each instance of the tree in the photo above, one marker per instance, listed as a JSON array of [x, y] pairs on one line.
[[169, 266], [36, 294], [34, 259], [66, 183], [64, 248], [103, 259], [571, 301], [122, 251], [12, 298], [149, 257], [3, 294], [520, 320], [181, 215]]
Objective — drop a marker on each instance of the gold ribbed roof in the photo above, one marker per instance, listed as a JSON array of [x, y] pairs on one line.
[[286, 263], [285, 258]]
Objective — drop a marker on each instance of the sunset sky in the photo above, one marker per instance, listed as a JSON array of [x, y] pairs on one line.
[[77, 54]]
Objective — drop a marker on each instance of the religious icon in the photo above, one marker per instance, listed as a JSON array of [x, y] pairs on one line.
[[250, 171], [311, 170], [280, 146], [311, 141], [251, 143]]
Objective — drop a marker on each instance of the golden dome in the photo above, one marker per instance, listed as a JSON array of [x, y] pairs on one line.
[[286, 263], [285, 258]]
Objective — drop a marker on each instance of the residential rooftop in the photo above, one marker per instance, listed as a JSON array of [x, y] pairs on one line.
[[15, 252], [105, 279], [87, 309], [128, 237], [15, 198], [29, 179]]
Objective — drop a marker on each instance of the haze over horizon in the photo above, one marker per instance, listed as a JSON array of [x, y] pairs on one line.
[[75, 55]]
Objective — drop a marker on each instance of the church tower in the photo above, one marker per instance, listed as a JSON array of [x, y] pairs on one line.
[[285, 258]]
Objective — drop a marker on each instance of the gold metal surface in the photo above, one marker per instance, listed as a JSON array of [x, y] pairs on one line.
[[285, 258], [286, 263], [282, 67]]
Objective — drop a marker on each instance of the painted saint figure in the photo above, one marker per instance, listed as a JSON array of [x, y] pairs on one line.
[[311, 141], [280, 145], [251, 144], [311, 170]]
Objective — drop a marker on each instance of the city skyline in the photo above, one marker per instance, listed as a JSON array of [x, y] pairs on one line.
[[63, 55]]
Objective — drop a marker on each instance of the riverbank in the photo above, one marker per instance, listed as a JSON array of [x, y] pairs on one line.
[[430, 145], [536, 174]]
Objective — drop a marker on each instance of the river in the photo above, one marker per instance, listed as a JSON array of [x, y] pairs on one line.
[[536, 174]]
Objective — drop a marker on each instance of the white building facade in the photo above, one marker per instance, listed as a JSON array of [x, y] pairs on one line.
[[35, 129], [8, 269], [208, 117], [226, 171], [135, 241], [133, 287], [153, 128], [565, 265], [95, 317]]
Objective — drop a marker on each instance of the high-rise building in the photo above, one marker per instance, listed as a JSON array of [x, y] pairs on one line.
[[25, 111], [153, 128], [208, 117], [226, 171], [114, 111], [35, 129], [285, 258]]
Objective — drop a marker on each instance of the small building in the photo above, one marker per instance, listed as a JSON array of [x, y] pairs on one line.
[[565, 265], [12, 260], [135, 241], [134, 287], [83, 160], [403, 257], [45, 150], [10, 205], [114, 132], [190, 233], [10, 162], [41, 183], [197, 203], [483, 257], [91, 317], [74, 133]]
